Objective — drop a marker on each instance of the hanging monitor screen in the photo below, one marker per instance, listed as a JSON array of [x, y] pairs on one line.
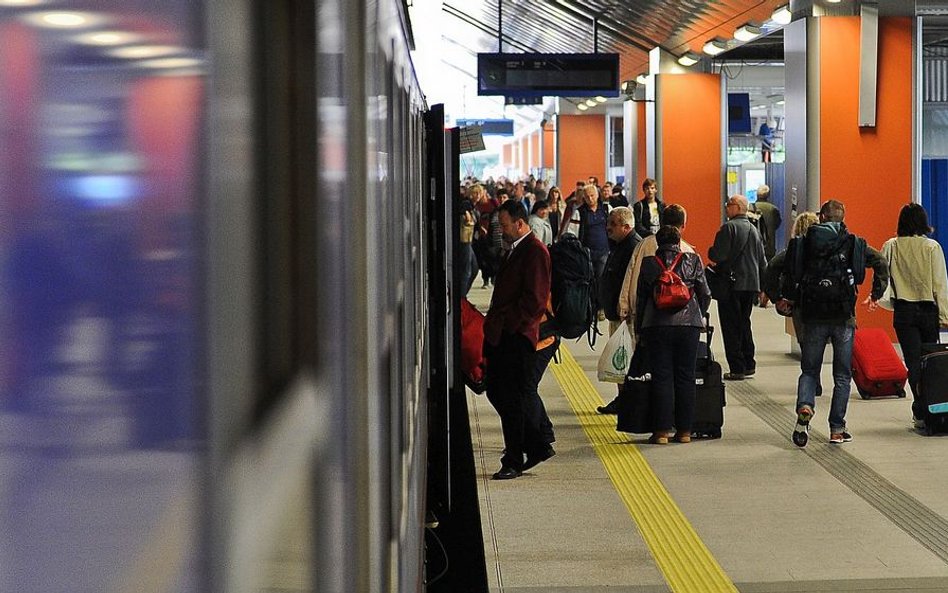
[[551, 75]]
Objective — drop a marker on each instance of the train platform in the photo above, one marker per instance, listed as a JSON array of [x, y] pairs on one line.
[[749, 512]]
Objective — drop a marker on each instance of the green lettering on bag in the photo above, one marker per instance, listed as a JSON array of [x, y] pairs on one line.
[[620, 359]]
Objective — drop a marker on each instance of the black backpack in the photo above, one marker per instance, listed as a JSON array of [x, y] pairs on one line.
[[573, 287], [828, 264], [758, 221]]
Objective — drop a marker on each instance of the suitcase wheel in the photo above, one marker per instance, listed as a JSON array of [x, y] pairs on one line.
[[707, 434]]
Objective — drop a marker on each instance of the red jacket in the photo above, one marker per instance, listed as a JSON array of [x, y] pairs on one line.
[[521, 291]]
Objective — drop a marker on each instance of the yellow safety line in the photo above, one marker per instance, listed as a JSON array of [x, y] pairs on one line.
[[682, 557]]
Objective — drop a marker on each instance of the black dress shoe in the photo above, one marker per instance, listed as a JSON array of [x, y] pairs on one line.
[[610, 408], [750, 372], [733, 376], [507, 473], [534, 460]]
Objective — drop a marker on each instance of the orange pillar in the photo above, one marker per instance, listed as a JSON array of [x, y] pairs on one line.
[[689, 151], [869, 169], [549, 159], [582, 144]]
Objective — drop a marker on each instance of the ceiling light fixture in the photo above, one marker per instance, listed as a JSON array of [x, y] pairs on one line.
[[600, 99], [689, 59], [747, 32], [782, 16], [171, 63], [834, 1], [714, 47], [591, 103], [582, 107], [642, 78], [63, 19], [138, 52], [780, 102], [21, 2], [107, 38]]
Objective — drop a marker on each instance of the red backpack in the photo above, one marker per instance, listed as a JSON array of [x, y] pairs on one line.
[[671, 293]]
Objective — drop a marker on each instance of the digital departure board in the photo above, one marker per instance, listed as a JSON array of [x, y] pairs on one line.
[[552, 75]]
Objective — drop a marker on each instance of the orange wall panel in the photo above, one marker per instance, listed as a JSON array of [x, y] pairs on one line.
[[524, 164], [868, 169], [642, 153], [507, 159], [582, 142], [535, 150], [549, 158], [692, 167]]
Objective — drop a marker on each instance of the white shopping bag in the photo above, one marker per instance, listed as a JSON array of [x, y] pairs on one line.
[[615, 359]]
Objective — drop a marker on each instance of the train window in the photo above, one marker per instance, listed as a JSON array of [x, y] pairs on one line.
[[286, 147]]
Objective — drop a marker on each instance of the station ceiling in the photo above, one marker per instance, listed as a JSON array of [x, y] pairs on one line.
[[628, 27]]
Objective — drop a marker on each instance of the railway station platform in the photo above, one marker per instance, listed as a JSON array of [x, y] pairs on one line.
[[749, 512]]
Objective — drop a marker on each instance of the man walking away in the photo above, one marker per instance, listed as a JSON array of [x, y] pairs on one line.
[[826, 266], [769, 220], [738, 250]]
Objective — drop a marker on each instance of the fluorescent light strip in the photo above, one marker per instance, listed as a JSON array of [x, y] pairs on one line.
[[747, 32], [714, 47], [782, 16]]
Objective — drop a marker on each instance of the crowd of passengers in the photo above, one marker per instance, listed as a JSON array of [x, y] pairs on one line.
[[507, 227]]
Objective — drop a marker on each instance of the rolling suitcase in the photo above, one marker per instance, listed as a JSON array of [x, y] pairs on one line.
[[932, 389], [877, 369], [710, 396]]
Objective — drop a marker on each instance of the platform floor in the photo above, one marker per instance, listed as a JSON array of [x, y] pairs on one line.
[[757, 514]]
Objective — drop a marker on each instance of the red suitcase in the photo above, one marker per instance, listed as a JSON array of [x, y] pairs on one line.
[[877, 369], [472, 344]]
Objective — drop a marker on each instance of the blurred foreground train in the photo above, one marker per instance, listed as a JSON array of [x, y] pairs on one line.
[[227, 323]]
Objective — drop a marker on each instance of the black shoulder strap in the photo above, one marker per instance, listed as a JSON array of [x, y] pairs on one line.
[[858, 259]]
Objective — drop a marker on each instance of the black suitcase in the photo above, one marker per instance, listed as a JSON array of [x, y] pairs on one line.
[[635, 406], [710, 397], [932, 388]]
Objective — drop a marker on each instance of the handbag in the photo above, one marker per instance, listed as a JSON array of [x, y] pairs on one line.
[[720, 281], [887, 301]]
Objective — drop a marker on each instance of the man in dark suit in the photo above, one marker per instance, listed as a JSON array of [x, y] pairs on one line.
[[511, 331]]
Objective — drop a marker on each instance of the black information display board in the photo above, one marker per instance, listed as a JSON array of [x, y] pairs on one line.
[[538, 75]]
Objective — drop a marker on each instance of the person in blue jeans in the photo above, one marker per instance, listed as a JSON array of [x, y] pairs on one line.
[[825, 266]]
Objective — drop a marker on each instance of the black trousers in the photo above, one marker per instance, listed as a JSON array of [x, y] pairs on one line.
[[915, 324], [673, 353], [511, 367], [535, 411], [735, 315]]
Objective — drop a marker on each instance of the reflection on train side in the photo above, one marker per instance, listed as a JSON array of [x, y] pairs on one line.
[[100, 426]]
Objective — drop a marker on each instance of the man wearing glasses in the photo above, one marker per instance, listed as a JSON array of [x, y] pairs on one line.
[[738, 250]]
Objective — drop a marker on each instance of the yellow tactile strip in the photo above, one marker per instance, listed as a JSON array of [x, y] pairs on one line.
[[682, 557]]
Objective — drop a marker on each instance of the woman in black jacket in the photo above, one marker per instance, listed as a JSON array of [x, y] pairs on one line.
[[671, 336]]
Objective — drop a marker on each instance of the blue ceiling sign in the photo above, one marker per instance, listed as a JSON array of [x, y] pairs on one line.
[[490, 127]]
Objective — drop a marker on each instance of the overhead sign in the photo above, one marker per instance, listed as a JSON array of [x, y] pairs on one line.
[[471, 139], [552, 75], [490, 127]]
